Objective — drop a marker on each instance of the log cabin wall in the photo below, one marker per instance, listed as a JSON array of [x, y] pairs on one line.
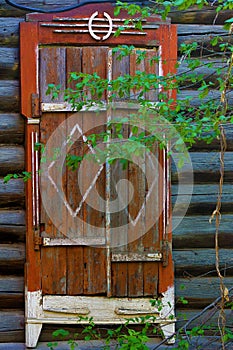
[[193, 239]]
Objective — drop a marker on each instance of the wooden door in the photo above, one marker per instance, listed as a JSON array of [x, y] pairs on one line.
[[94, 247]]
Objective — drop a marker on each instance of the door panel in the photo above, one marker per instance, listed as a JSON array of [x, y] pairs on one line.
[[82, 269]]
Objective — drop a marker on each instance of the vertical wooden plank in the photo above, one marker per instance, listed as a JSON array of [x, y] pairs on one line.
[[33, 258], [120, 218], [168, 40], [29, 68], [94, 257], [135, 269], [52, 71], [75, 265], [151, 240], [53, 259], [94, 60], [28, 65], [137, 178], [151, 67]]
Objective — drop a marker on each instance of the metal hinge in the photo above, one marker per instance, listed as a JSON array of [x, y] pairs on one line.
[[165, 252], [35, 100], [38, 240]]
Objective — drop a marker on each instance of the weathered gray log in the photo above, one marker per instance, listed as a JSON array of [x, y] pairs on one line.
[[210, 317], [194, 15], [12, 257], [11, 300], [11, 292], [11, 284], [11, 128], [208, 70], [203, 200], [12, 226], [10, 11], [205, 167], [11, 337], [9, 96], [9, 63], [11, 320], [198, 232], [12, 193], [12, 217], [199, 292], [199, 261], [202, 34], [215, 144], [9, 31], [12, 233], [195, 100], [11, 159]]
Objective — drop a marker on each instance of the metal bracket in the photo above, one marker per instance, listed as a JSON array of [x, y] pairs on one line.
[[165, 253], [35, 106], [38, 241]]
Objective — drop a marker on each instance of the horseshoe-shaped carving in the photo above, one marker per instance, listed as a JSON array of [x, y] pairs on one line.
[[97, 37]]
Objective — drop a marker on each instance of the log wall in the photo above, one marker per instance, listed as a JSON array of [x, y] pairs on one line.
[[193, 240]]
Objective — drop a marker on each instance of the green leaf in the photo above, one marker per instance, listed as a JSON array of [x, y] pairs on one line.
[[61, 332]]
